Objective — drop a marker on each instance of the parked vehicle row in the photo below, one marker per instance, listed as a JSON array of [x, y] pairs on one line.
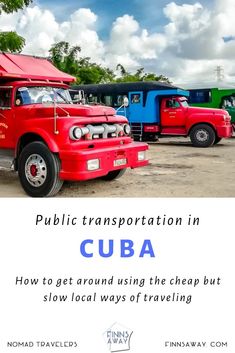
[[51, 139], [157, 109]]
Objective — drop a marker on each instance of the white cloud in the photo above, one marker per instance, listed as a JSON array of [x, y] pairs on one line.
[[37, 26], [80, 30], [8, 22], [129, 43], [189, 46], [40, 29]]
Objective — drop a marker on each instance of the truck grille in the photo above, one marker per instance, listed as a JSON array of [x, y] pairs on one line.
[[103, 131]]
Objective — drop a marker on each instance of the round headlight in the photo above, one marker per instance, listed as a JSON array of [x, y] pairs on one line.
[[75, 133], [127, 129]]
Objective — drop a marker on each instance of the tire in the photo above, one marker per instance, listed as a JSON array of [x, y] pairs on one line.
[[115, 174], [38, 170], [150, 137], [202, 135], [217, 140], [137, 138]]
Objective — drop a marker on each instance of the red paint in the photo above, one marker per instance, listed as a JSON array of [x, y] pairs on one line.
[[180, 119], [37, 121]]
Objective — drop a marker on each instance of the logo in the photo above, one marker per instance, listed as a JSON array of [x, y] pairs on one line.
[[117, 338]]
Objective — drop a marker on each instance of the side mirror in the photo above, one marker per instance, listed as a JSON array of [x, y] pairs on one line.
[[125, 102]]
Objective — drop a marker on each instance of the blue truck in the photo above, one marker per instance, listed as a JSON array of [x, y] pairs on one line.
[[157, 109]]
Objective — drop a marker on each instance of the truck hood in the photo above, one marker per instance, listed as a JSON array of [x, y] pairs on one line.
[[213, 111], [72, 110]]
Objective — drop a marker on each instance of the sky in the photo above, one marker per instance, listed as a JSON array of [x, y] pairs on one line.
[[183, 40]]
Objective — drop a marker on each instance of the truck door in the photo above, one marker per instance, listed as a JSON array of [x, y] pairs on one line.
[[6, 118], [172, 113], [135, 107]]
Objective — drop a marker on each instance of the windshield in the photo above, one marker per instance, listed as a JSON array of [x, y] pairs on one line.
[[184, 103], [228, 102], [42, 94]]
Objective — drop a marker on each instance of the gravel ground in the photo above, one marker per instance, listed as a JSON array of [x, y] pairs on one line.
[[176, 169]]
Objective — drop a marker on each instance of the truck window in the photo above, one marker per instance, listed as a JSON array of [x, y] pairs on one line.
[[228, 102], [184, 102], [41, 94], [135, 98], [22, 96], [172, 103], [200, 96], [107, 100], [118, 100], [91, 98], [5, 98]]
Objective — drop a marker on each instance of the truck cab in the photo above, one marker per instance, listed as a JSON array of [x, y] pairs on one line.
[[205, 126], [50, 138]]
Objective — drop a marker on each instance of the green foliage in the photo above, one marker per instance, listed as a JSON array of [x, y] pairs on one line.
[[92, 73], [11, 41], [9, 6], [139, 75], [66, 59]]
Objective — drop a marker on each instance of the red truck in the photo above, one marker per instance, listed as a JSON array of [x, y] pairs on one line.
[[50, 138], [157, 109]]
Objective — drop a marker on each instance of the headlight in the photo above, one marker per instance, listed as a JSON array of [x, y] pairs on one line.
[[141, 156], [93, 164], [75, 133], [127, 129]]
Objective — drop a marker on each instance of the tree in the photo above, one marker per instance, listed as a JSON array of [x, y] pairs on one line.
[[93, 73], [10, 6], [139, 75], [11, 41], [66, 59]]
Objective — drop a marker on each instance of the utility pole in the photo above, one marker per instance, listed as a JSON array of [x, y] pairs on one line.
[[219, 71]]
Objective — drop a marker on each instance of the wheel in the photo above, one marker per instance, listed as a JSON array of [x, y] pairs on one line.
[[217, 140], [115, 174], [39, 170], [202, 135], [150, 137], [137, 137]]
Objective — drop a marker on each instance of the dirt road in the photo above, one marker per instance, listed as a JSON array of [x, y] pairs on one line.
[[176, 170]]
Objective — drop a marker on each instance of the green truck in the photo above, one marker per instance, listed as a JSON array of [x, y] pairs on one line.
[[214, 96]]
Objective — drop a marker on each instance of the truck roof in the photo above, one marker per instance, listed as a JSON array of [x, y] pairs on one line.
[[18, 66], [125, 87]]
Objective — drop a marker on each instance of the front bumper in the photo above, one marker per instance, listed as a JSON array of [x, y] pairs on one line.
[[224, 131], [74, 163]]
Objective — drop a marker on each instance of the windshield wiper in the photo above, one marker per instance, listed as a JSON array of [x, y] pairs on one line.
[[64, 98]]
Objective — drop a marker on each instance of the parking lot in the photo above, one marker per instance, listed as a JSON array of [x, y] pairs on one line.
[[176, 169]]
